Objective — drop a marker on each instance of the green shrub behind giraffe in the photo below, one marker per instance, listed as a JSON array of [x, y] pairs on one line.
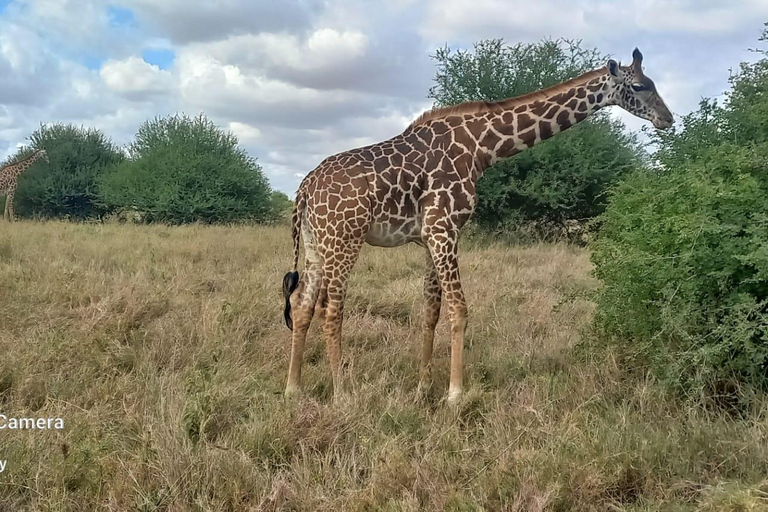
[[66, 185], [683, 249], [182, 169]]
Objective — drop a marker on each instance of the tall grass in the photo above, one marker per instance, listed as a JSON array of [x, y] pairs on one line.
[[164, 351]]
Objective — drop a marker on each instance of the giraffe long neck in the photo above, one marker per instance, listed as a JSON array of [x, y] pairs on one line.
[[520, 123], [13, 170]]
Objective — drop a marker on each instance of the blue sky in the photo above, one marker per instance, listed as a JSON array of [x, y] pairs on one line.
[[298, 80], [160, 57], [121, 16]]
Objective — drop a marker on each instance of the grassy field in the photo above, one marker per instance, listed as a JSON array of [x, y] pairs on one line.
[[164, 351]]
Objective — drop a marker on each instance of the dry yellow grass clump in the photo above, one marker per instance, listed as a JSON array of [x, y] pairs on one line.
[[164, 351]]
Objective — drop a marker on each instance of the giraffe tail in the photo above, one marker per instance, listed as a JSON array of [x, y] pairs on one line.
[[291, 279], [290, 282]]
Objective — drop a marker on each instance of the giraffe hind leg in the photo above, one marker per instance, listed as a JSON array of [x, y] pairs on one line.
[[299, 316], [433, 299], [300, 308], [337, 267]]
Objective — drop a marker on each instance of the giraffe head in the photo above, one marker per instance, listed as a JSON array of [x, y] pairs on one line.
[[42, 155], [637, 94]]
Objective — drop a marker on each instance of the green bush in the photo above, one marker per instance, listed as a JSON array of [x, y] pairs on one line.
[[282, 205], [183, 170], [684, 259], [683, 250], [66, 185], [561, 179]]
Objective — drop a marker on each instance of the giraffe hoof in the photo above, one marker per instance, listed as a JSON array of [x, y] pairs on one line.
[[454, 395], [341, 397], [422, 390], [292, 392]]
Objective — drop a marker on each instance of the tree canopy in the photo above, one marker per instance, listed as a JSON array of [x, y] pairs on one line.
[[683, 250], [560, 179], [186, 169], [66, 185]]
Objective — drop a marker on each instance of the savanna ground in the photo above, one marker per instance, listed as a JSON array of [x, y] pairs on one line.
[[164, 350]]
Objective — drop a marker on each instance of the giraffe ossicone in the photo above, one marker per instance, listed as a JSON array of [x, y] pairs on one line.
[[9, 176], [420, 187]]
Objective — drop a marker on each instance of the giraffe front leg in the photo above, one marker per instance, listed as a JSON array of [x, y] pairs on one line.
[[444, 249], [9, 205], [433, 298]]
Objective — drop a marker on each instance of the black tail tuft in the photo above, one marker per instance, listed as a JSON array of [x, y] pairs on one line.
[[290, 282]]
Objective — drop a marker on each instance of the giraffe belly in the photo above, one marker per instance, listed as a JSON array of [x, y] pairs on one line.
[[393, 234]]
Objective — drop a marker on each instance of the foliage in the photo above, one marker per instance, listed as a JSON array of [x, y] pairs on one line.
[[281, 203], [564, 178], [683, 251], [702, 130], [66, 185], [184, 169], [748, 106], [684, 259]]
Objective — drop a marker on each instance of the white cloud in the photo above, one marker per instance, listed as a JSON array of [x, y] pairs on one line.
[[586, 19], [135, 78], [328, 45], [298, 80], [72, 21], [324, 48], [244, 132], [325, 54], [28, 71], [252, 97], [186, 21]]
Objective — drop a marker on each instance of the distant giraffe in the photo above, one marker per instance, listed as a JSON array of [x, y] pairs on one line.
[[9, 176], [420, 186]]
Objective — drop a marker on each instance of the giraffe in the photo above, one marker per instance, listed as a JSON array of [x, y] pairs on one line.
[[420, 187], [9, 176]]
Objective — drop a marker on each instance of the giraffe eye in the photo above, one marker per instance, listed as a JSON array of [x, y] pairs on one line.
[[638, 87]]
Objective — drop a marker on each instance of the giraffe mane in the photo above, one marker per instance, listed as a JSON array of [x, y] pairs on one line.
[[478, 107]]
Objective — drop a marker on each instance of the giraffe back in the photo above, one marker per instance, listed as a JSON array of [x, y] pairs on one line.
[[383, 191]]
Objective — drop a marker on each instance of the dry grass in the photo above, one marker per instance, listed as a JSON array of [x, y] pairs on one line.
[[164, 351]]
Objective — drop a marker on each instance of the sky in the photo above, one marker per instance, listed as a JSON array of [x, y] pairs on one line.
[[298, 80]]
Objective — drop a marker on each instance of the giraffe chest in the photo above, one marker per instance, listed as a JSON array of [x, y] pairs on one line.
[[6, 185]]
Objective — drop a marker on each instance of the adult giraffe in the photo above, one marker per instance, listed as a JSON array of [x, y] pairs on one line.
[[419, 187], [9, 177]]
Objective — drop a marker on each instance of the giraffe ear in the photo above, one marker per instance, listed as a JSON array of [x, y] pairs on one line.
[[637, 58], [614, 69]]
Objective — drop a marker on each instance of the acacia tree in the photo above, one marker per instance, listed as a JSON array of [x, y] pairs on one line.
[[183, 169], [560, 179], [65, 186]]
